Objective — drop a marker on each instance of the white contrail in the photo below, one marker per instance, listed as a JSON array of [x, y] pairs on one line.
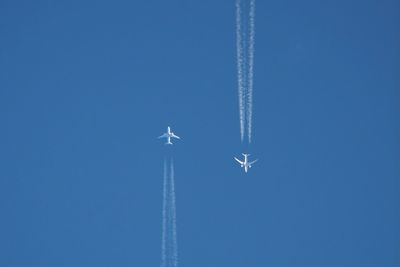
[[245, 35], [169, 247], [239, 59], [164, 220], [249, 107], [173, 219]]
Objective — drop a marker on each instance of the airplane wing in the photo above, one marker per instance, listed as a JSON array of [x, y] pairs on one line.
[[254, 161], [175, 136], [163, 136], [240, 162]]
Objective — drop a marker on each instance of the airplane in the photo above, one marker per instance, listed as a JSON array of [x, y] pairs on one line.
[[169, 135], [245, 163]]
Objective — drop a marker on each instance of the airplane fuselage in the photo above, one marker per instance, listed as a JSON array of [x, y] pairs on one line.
[[245, 163]]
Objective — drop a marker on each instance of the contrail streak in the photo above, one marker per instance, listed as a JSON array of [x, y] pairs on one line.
[[245, 35], [173, 218], [239, 59], [251, 68], [164, 220], [169, 247]]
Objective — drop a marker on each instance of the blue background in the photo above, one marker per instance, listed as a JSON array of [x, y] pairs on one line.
[[87, 86]]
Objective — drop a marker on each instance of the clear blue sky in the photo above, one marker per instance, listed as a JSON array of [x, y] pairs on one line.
[[87, 86]]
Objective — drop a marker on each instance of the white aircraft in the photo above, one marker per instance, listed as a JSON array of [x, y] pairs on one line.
[[245, 163], [169, 135]]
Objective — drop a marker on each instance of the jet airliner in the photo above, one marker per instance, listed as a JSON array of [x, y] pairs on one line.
[[169, 135], [245, 163]]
